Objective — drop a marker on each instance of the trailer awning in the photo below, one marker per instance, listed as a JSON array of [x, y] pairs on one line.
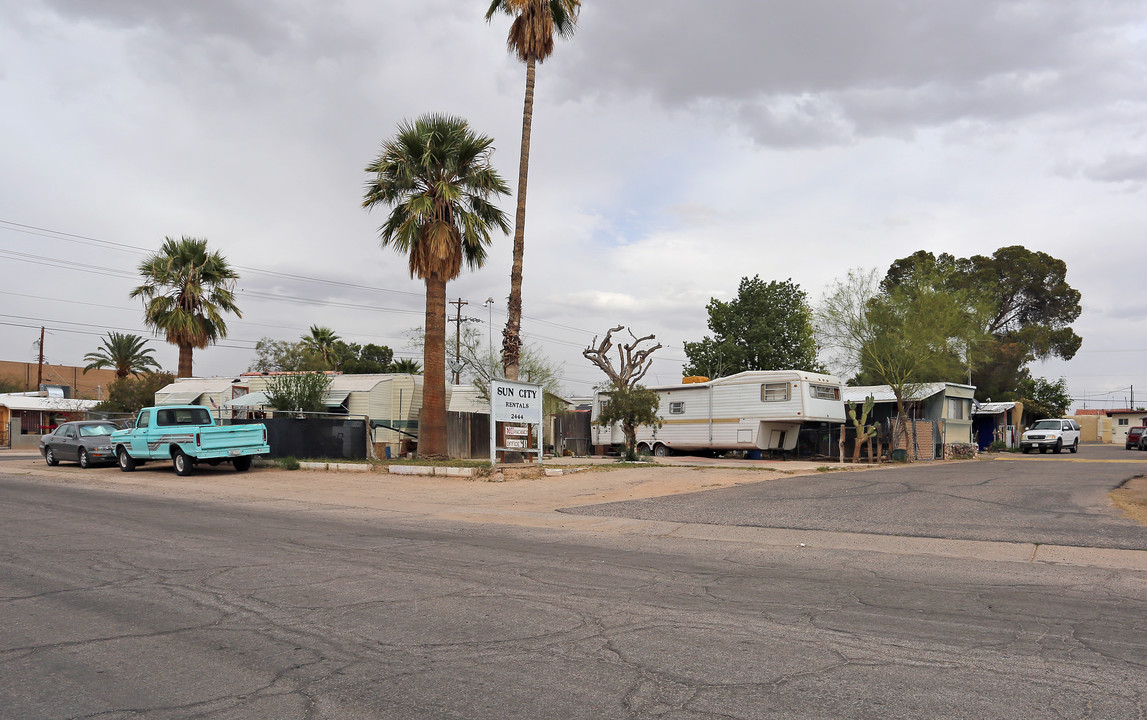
[[255, 399], [335, 398]]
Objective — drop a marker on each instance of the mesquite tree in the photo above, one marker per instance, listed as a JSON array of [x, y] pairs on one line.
[[630, 404]]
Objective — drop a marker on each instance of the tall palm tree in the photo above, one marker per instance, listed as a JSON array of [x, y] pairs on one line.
[[531, 38], [124, 352], [322, 342], [435, 175], [186, 290]]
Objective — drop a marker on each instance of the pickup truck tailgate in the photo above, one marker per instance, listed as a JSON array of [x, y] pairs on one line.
[[247, 439]]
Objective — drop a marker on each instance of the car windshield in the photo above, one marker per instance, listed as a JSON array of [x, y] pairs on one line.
[[1046, 425], [96, 430]]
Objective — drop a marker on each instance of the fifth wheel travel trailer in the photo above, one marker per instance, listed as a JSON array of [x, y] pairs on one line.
[[754, 410]]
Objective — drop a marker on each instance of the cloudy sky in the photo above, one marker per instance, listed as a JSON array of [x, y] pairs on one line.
[[676, 149]]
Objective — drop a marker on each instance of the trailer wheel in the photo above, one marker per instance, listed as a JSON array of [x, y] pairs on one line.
[[660, 450], [642, 449]]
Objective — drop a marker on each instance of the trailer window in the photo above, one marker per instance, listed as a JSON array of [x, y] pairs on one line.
[[824, 392], [677, 408], [775, 392]]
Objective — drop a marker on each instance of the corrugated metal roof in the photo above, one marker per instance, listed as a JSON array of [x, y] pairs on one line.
[[203, 385], [993, 408], [178, 398], [49, 404]]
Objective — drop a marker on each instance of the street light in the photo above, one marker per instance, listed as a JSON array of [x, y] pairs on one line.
[[490, 326]]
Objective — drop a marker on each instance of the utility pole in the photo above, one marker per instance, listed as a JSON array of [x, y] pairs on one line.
[[458, 340], [40, 366]]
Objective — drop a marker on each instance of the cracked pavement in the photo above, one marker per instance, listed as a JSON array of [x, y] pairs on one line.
[[167, 604]]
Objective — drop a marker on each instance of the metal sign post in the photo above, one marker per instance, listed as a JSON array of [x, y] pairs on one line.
[[516, 404]]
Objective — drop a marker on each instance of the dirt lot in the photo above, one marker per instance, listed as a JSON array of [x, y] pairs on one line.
[[1132, 499]]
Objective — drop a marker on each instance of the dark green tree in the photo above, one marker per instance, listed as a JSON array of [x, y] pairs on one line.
[[355, 359], [768, 326], [129, 394], [125, 353], [1043, 398], [631, 407], [1024, 303]]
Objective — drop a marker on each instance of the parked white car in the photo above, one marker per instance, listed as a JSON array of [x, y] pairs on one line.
[[1054, 435]]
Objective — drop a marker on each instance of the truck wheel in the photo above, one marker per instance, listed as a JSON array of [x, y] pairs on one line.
[[85, 461], [1075, 447], [50, 457], [181, 463], [660, 450], [126, 462], [1026, 449], [242, 464], [1058, 447]]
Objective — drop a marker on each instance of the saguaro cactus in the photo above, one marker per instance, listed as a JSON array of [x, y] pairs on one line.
[[863, 431]]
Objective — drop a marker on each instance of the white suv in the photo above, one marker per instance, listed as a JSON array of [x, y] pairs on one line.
[[1054, 435]]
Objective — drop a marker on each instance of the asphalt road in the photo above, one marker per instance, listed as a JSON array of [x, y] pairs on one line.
[[1048, 499], [126, 605]]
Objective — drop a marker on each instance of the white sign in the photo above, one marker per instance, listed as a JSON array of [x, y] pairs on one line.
[[515, 443], [515, 402], [517, 431]]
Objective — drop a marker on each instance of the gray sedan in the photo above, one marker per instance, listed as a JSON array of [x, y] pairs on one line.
[[85, 442]]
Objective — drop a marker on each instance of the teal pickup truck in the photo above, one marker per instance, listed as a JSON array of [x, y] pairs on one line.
[[186, 435]]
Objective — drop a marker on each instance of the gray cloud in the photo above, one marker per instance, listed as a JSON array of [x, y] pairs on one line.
[[820, 72]]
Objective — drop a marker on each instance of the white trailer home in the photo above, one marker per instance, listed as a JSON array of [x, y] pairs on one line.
[[754, 410]]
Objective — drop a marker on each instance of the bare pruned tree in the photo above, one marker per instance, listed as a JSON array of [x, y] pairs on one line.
[[634, 360]]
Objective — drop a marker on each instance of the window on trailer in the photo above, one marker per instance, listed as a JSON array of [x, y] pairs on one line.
[[677, 408], [775, 392], [824, 392]]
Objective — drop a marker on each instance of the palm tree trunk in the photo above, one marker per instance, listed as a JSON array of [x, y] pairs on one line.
[[511, 336], [185, 361], [432, 419]]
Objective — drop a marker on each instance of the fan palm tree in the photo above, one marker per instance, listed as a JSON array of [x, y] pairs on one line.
[[124, 352], [321, 341], [531, 38], [186, 290], [406, 365], [435, 176]]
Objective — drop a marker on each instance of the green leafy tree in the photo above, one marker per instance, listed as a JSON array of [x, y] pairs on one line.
[[407, 366], [631, 407], [186, 290], [1024, 303], [131, 393], [298, 392], [321, 341], [436, 177], [1044, 398], [285, 356], [902, 338], [124, 352], [355, 359], [768, 326], [535, 25]]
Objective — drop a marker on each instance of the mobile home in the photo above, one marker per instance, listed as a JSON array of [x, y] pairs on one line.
[[754, 410]]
